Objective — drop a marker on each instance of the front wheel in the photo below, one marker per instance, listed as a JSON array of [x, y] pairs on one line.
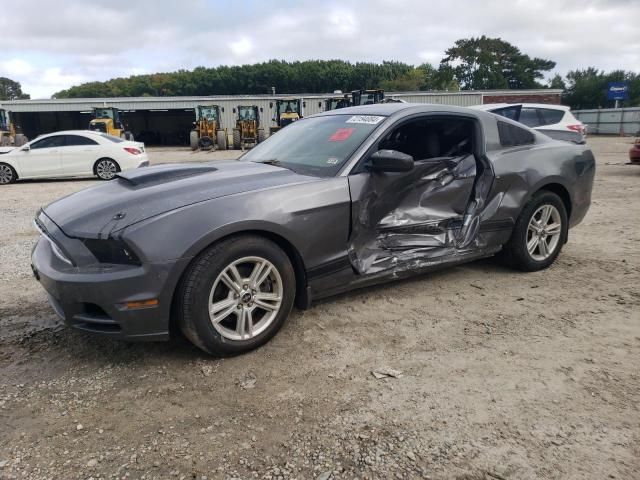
[[236, 295], [106, 169], [539, 234]]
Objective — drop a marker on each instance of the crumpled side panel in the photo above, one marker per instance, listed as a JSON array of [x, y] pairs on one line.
[[412, 220]]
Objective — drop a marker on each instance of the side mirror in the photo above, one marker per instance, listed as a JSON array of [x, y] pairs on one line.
[[390, 161], [234, 110], [26, 148], [261, 109]]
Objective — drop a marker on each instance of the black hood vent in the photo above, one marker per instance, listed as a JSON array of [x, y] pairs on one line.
[[162, 173]]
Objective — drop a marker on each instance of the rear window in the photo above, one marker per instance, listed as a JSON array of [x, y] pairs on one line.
[[512, 136], [529, 117], [111, 138], [549, 116]]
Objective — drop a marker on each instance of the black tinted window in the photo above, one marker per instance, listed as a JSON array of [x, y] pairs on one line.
[[549, 116], [529, 116], [509, 112], [49, 142], [73, 140], [511, 136]]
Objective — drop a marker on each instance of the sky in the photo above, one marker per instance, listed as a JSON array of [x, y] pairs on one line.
[[51, 45]]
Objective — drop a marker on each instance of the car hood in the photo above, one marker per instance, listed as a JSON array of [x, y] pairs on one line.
[[142, 193]]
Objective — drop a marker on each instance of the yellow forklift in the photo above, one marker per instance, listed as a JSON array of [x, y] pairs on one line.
[[10, 134], [207, 130], [288, 110], [334, 103], [107, 120], [247, 132], [367, 97]]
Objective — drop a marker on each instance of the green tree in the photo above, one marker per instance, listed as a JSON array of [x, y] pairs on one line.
[[11, 90], [557, 82], [487, 63], [587, 88]]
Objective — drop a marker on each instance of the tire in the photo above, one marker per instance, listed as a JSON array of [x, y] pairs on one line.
[[221, 137], [261, 135], [547, 247], [7, 174], [106, 169], [202, 288], [193, 139], [205, 143], [236, 139]]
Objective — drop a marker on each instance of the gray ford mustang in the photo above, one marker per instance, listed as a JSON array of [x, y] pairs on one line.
[[336, 201]]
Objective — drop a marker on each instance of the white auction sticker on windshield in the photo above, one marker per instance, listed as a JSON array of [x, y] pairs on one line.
[[368, 119]]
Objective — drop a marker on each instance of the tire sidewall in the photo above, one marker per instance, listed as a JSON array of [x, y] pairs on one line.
[[521, 255], [14, 175], [196, 300], [106, 160]]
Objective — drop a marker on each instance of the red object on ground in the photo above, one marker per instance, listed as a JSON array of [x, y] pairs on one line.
[[634, 153]]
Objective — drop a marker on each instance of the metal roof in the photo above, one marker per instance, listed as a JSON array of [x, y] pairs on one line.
[[467, 97]]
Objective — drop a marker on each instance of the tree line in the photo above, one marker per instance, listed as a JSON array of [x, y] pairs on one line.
[[477, 63]]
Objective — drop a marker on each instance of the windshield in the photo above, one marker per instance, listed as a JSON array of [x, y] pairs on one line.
[[289, 106], [103, 113], [208, 113], [246, 113], [316, 146]]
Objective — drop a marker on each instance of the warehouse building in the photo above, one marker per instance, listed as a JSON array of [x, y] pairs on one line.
[[168, 120]]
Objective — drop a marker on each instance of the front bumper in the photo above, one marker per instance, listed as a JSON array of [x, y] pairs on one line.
[[93, 298]]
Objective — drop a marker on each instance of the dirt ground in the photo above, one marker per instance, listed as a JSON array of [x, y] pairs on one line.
[[505, 375]]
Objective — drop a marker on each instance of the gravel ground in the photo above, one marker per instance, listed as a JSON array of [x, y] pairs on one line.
[[504, 375]]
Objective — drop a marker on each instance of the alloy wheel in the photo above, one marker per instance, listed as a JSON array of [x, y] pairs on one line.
[[6, 174], [544, 232], [245, 298], [106, 169]]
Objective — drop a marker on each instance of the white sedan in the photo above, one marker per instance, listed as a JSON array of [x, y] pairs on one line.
[[73, 153]]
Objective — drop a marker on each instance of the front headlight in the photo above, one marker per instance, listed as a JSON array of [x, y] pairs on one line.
[[54, 246], [111, 251]]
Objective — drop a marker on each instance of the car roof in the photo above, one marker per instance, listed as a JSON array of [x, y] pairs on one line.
[[388, 109], [491, 106]]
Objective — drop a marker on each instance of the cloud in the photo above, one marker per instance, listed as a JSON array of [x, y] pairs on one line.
[[75, 41]]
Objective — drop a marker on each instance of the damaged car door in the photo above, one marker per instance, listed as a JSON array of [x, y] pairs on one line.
[[425, 214]]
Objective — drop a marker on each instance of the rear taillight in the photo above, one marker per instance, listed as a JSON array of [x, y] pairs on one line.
[[133, 151], [576, 128]]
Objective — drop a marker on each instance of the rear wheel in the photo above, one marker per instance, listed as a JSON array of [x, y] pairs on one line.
[[236, 295], [193, 139], [261, 135], [7, 174], [539, 234], [106, 169], [236, 139], [221, 137]]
